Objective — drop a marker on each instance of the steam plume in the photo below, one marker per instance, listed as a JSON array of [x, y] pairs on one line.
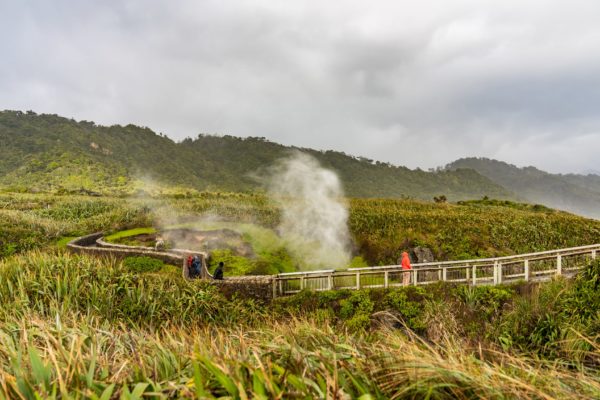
[[314, 214]]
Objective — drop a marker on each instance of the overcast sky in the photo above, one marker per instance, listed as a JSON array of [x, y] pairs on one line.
[[415, 83]]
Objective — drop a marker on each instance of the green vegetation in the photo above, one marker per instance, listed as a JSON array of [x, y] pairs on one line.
[[82, 327], [117, 236], [384, 228], [553, 319], [264, 264], [79, 327], [505, 203], [30, 221], [355, 309], [442, 341], [59, 155], [64, 241], [142, 264], [381, 228]]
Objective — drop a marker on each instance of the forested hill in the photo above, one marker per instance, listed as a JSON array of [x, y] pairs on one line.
[[49, 152], [575, 193]]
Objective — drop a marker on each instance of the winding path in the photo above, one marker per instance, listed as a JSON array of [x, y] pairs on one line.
[[540, 266]]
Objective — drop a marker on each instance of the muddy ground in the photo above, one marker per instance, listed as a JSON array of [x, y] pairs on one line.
[[198, 240]]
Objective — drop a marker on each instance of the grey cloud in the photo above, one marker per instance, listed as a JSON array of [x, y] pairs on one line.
[[413, 83]]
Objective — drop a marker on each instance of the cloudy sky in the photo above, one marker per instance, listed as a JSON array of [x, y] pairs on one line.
[[415, 83]]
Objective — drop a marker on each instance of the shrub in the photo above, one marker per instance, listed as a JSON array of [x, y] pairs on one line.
[[142, 264], [359, 322], [539, 321], [584, 303], [486, 301], [411, 311], [358, 302]]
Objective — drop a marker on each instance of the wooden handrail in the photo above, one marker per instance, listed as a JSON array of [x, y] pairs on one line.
[[475, 271], [486, 261]]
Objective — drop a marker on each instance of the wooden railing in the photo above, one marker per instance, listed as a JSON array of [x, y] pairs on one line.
[[488, 271]]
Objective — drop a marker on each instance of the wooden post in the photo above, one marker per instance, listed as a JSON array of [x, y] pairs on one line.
[[184, 268], [204, 274], [593, 254], [559, 265], [444, 274], [467, 274], [302, 283], [357, 280], [414, 276], [274, 287], [386, 279], [439, 274], [474, 276], [330, 281], [281, 287], [526, 270], [499, 278]]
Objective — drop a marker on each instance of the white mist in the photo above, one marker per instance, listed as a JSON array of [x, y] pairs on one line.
[[314, 221]]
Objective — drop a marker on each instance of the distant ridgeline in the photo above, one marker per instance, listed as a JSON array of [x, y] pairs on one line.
[[51, 153], [576, 193]]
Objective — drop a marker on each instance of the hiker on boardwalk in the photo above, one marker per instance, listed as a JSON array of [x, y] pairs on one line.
[[405, 269], [187, 269], [219, 272], [196, 266]]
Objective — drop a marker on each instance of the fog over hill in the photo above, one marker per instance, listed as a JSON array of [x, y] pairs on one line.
[[576, 193]]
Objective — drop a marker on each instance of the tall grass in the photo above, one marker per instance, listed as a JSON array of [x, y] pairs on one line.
[[89, 358], [79, 327], [36, 221], [64, 284], [381, 228]]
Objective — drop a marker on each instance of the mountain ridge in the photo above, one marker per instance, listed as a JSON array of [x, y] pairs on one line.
[[49, 152]]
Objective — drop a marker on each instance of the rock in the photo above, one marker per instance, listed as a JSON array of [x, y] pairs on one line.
[[387, 319], [421, 255]]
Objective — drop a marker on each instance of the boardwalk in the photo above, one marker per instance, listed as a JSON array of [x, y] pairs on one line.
[[486, 271], [489, 271]]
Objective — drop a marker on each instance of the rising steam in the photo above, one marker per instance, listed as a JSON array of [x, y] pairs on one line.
[[314, 221]]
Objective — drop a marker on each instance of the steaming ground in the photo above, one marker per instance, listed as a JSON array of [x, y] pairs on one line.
[[314, 221], [314, 215]]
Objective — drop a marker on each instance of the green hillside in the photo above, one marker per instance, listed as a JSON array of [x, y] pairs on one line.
[[575, 193], [52, 153]]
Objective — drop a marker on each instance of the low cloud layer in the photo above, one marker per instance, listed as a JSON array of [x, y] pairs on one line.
[[413, 83]]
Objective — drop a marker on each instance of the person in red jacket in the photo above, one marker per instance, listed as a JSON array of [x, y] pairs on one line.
[[188, 265], [406, 269]]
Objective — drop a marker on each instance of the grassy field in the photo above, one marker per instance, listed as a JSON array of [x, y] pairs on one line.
[[79, 327], [82, 327], [381, 229]]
